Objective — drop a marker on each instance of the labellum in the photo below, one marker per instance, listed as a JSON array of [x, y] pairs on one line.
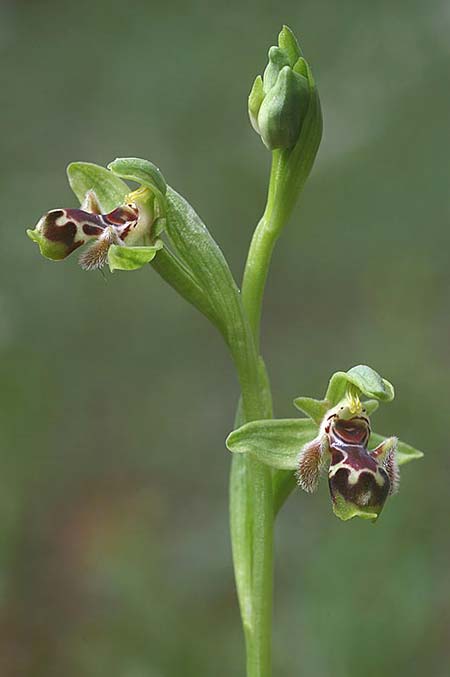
[[61, 231], [360, 480]]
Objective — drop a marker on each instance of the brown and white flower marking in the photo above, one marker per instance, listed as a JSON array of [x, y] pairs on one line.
[[359, 480], [61, 231]]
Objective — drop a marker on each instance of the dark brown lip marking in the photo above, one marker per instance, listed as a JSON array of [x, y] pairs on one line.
[[89, 229], [81, 216], [336, 455], [65, 233], [366, 492], [121, 215], [355, 430]]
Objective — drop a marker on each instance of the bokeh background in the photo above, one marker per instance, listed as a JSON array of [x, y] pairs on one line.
[[115, 396]]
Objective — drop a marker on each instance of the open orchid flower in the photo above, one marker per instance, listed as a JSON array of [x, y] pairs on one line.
[[360, 480], [362, 466], [125, 237]]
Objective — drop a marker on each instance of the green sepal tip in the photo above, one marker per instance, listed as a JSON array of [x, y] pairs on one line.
[[289, 44], [255, 99]]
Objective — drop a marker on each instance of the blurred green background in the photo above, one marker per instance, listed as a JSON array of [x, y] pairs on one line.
[[116, 396]]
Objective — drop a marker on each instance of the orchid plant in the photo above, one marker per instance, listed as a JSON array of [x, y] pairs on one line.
[[127, 229]]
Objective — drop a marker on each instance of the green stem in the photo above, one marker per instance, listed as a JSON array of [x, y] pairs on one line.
[[280, 203], [289, 171], [256, 494], [251, 491], [251, 509], [259, 642]]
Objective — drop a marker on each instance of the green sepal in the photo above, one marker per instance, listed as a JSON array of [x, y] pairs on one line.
[[143, 172], [288, 43], [55, 251], [365, 379], [405, 453], [283, 110], [131, 258], [274, 442], [309, 76], [109, 189], [316, 409], [301, 67], [255, 99], [278, 442], [278, 59]]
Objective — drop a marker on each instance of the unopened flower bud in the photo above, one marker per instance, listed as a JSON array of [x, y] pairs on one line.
[[283, 110], [278, 102]]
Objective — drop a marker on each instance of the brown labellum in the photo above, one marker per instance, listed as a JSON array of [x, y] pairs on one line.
[[359, 480]]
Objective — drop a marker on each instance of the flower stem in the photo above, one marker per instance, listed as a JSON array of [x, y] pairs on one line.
[[251, 493], [256, 494]]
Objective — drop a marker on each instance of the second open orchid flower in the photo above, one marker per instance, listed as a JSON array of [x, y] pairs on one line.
[[360, 480], [337, 437], [125, 237]]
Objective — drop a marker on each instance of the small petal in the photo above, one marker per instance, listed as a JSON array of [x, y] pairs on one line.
[[95, 256], [91, 203], [386, 453], [311, 462]]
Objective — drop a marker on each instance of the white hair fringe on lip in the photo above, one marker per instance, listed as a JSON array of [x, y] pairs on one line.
[[96, 255]]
